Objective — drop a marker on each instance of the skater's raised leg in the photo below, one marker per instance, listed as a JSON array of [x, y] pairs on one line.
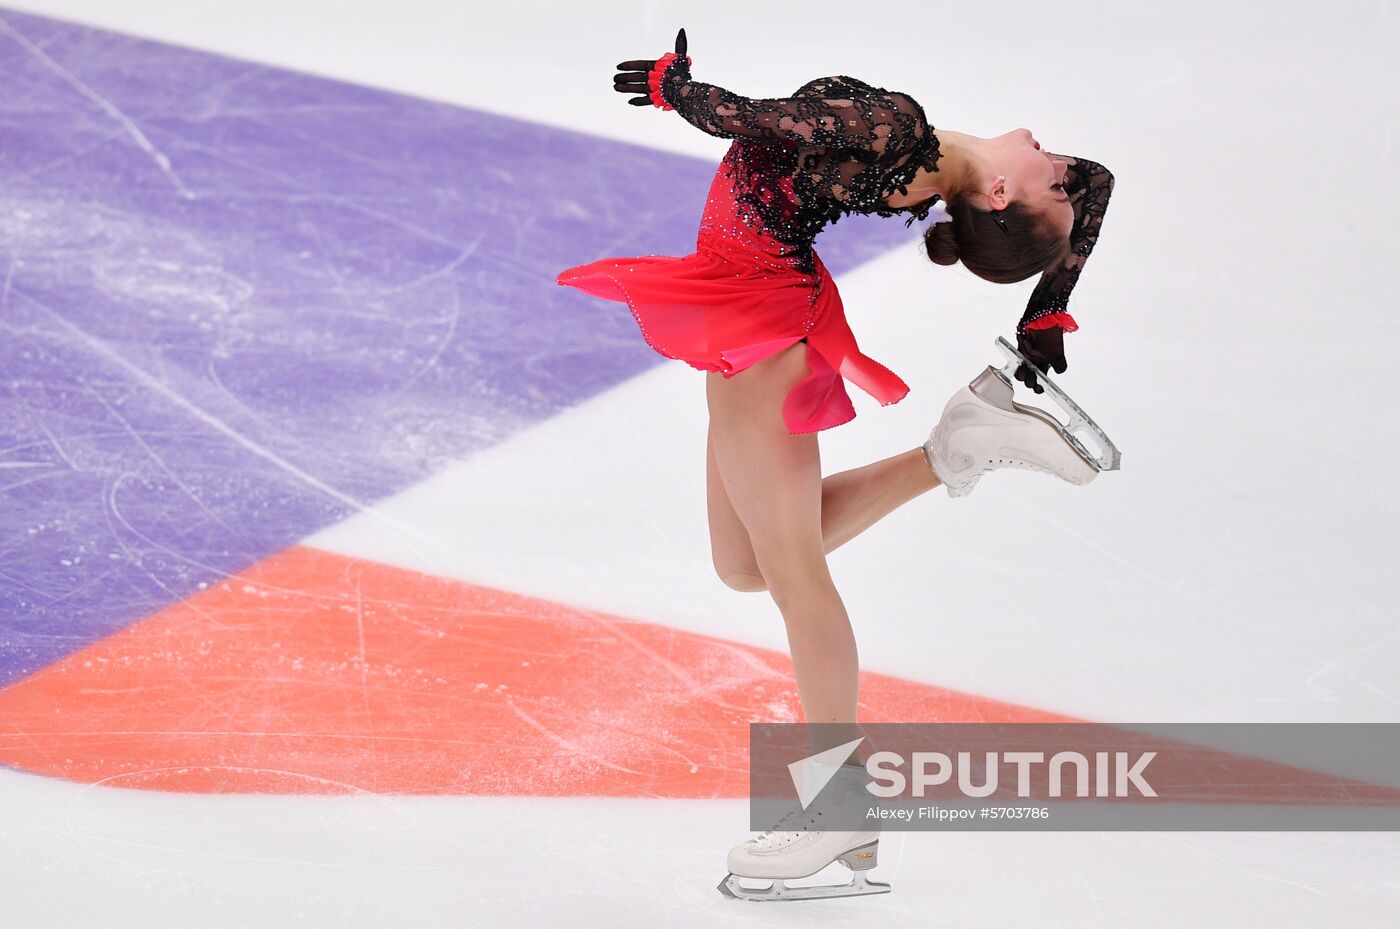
[[852, 502], [855, 500]]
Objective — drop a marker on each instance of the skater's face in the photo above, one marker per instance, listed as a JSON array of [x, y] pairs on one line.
[[1032, 177]]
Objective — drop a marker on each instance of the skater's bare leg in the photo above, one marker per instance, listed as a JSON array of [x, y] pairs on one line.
[[855, 500], [730, 548], [773, 480], [852, 502]]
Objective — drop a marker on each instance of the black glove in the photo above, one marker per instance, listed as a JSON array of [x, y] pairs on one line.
[[1044, 348], [632, 75]]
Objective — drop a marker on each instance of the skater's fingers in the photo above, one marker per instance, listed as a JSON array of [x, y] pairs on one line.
[[640, 101], [680, 42], [1061, 366], [638, 64]]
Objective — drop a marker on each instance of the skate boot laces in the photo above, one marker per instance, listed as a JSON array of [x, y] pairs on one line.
[[848, 782]]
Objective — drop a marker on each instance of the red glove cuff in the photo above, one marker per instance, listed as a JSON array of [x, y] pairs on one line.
[[1063, 320], [654, 76]]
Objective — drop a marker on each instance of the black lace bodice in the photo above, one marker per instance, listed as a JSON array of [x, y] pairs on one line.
[[1089, 185], [845, 144]]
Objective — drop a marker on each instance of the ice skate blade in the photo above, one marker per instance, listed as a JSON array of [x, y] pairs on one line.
[[858, 886], [1108, 459]]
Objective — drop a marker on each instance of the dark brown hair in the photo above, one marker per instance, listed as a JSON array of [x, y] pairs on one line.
[[1029, 245]]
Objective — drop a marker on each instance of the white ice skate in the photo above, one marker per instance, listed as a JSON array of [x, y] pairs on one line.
[[983, 428], [782, 854]]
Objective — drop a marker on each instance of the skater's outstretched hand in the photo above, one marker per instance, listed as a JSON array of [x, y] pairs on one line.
[[1045, 348], [632, 75]]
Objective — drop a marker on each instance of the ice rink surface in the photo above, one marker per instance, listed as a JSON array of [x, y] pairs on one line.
[[354, 574]]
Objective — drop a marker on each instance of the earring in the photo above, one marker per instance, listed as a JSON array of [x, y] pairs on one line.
[[997, 217]]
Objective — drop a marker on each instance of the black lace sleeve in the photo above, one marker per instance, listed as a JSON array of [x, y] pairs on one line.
[[1089, 185], [850, 115]]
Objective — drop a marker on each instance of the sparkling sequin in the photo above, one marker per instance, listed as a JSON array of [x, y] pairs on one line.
[[755, 284], [837, 146]]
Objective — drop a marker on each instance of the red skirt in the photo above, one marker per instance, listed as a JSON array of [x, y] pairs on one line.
[[737, 300]]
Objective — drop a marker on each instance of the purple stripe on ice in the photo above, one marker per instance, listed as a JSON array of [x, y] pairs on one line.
[[238, 302]]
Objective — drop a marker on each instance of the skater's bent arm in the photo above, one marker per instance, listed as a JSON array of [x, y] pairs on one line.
[[869, 121], [1089, 185]]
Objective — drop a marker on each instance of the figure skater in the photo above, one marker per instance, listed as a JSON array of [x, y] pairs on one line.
[[755, 308]]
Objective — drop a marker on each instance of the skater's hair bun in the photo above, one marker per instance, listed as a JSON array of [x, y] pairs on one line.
[[1029, 245], [942, 244]]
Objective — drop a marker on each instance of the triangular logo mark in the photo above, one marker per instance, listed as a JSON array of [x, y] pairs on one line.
[[811, 774]]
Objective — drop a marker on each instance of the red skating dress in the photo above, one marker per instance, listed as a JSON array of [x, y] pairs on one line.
[[755, 285]]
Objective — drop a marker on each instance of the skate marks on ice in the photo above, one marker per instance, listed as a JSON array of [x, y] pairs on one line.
[[315, 673], [242, 303], [371, 861], [193, 384]]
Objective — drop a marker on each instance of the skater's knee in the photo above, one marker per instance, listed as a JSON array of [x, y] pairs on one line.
[[796, 583], [744, 583]]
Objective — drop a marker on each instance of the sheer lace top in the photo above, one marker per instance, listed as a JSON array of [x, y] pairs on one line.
[[846, 144], [1089, 185]]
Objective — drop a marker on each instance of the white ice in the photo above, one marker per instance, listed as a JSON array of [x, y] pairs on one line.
[[1237, 327]]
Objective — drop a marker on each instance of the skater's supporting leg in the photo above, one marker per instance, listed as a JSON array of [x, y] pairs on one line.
[[852, 502], [773, 479], [730, 548]]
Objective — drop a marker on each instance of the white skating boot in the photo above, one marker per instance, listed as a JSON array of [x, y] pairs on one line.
[[983, 429], [781, 854]]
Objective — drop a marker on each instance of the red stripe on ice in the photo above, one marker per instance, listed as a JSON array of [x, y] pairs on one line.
[[316, 673]]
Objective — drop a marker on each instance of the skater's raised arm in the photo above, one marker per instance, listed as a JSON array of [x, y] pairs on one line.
[[833, 112], [871, 121], [1089, 185]]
